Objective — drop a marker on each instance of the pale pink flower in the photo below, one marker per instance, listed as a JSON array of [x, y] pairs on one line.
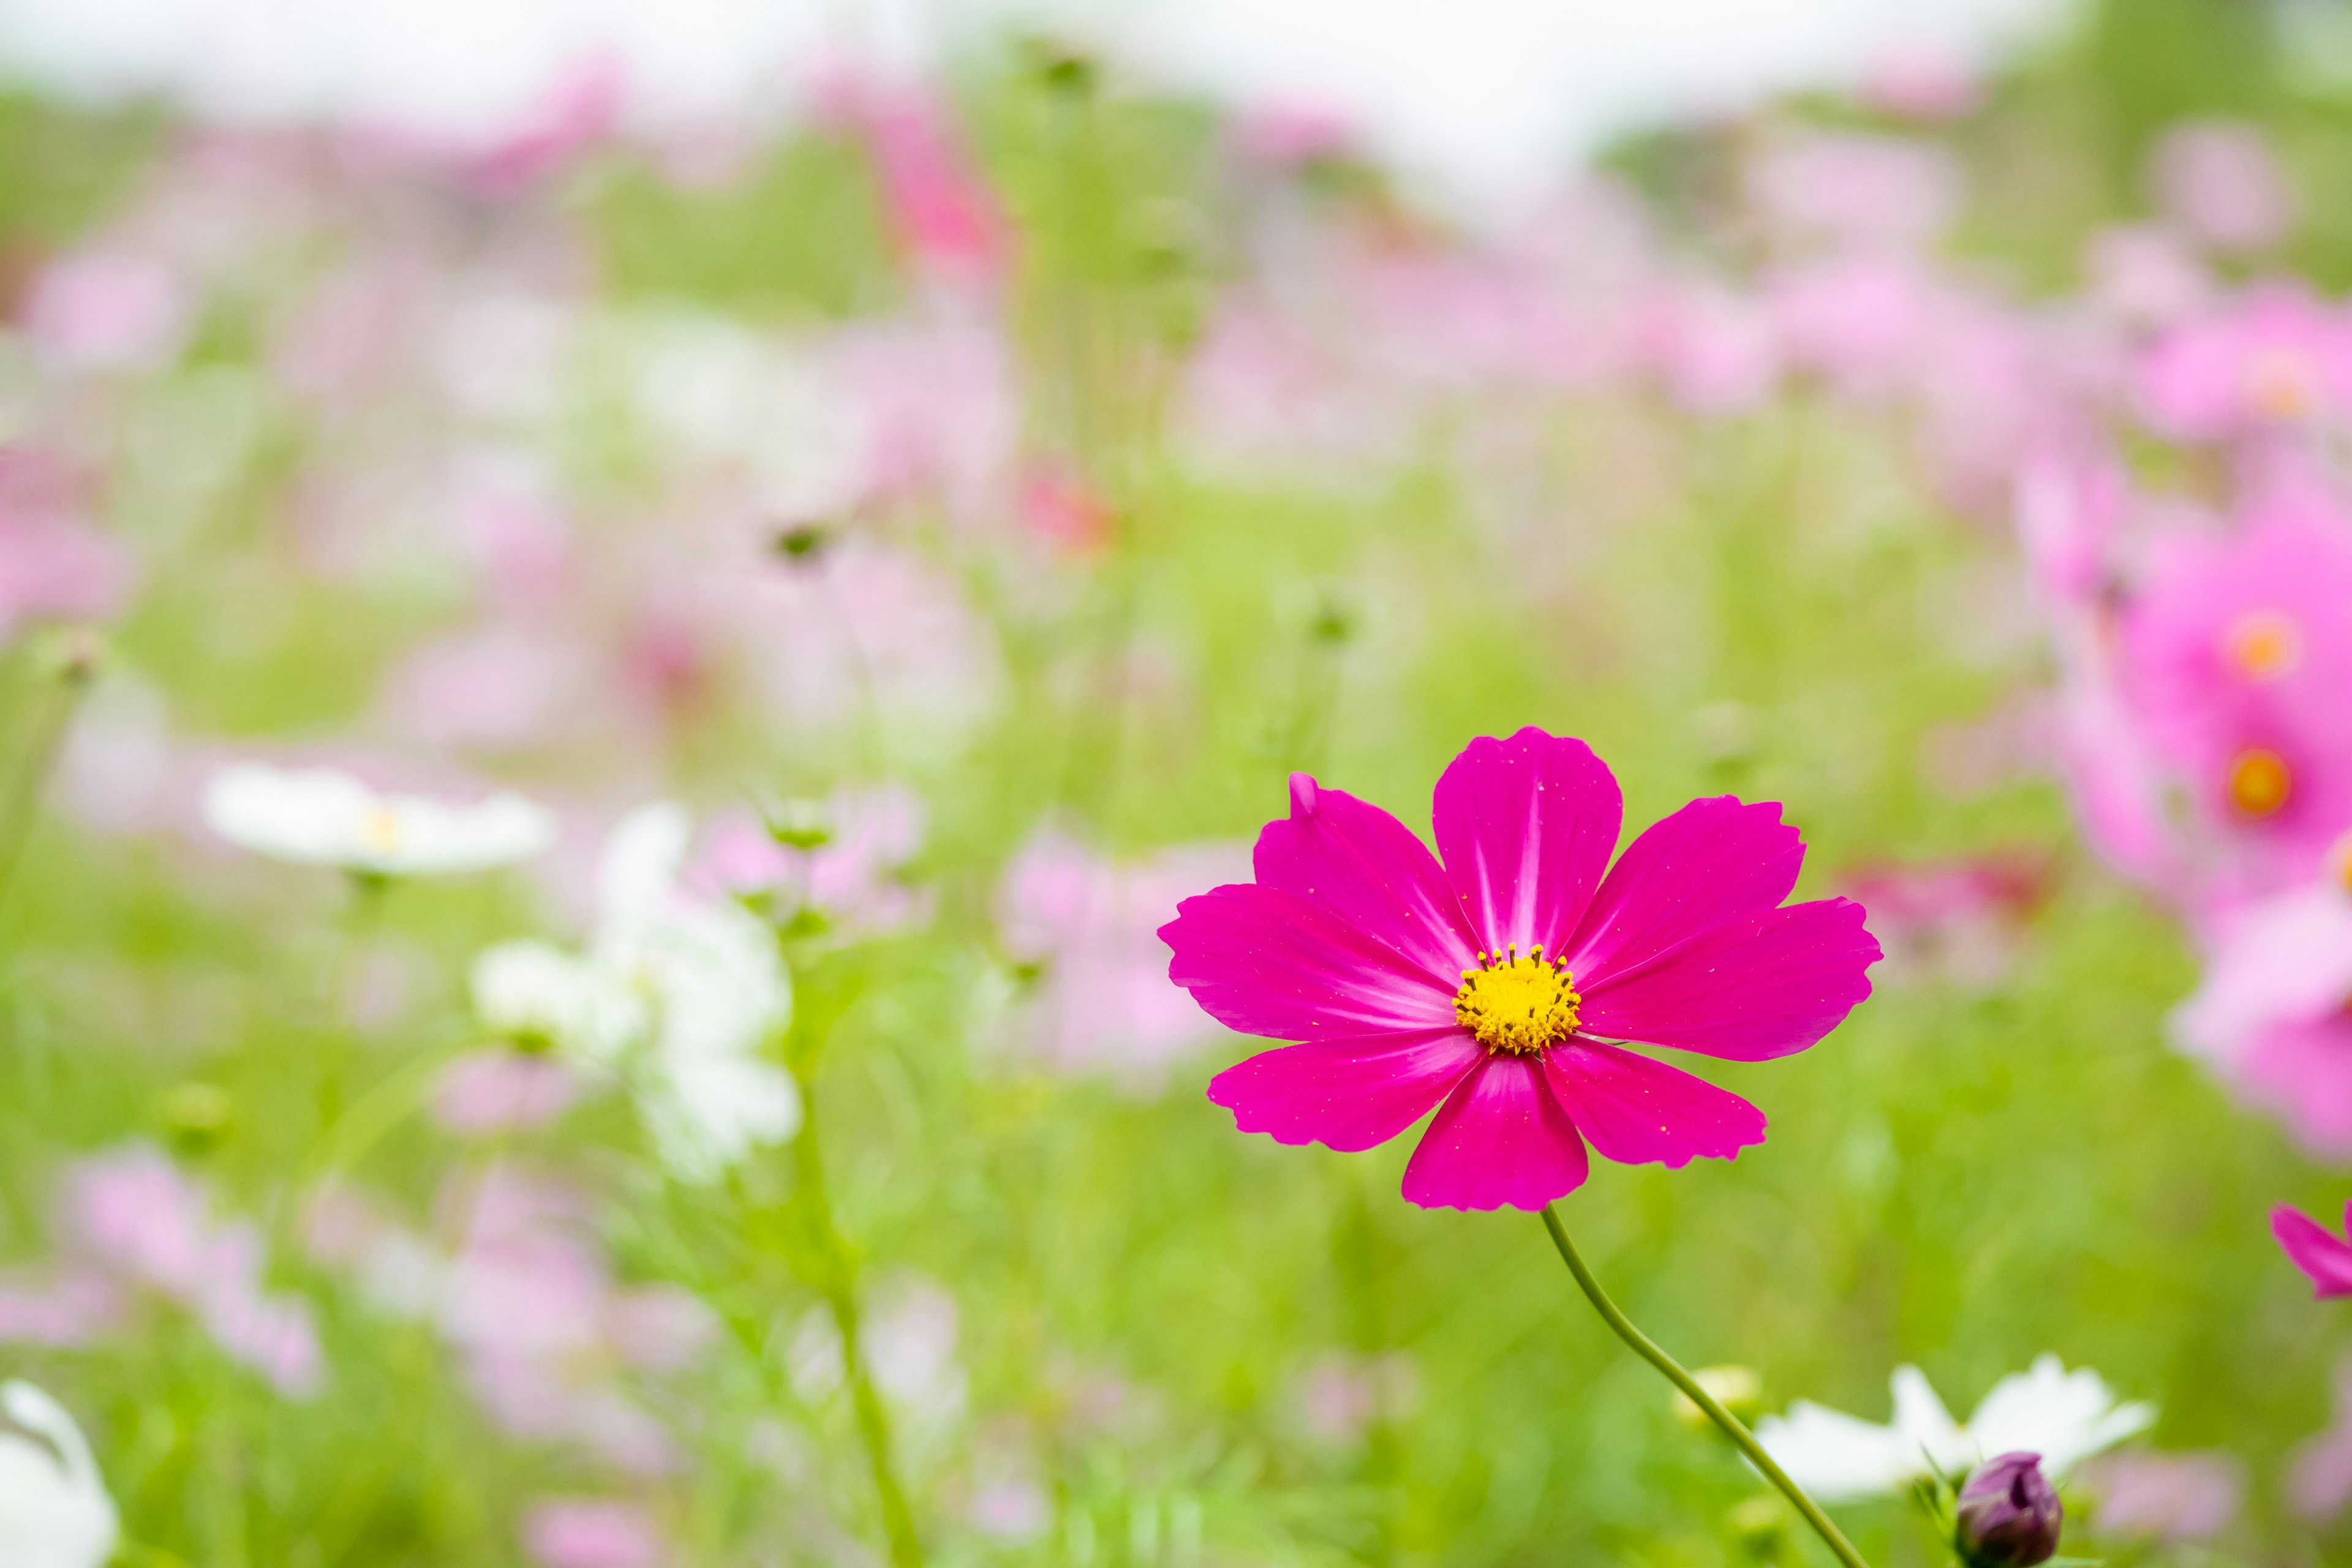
[[69, 1308], [1861, 320], [1065, 513], [106, 310], [663, 1327], [53, 563], [1288, 135], [1011, 1509], [1339, 1396], [2219, 181], [2319, 1482], [1923, 80], [2273, 358], [1087, 927], [592, 1533], [2144, 277], [500, 686], [944, 214], [2271, 1013], [132, 1211], [491, 1092], [1716, 351], [851, 876], [2165, 1497], [1857, 191], [1961, 922]]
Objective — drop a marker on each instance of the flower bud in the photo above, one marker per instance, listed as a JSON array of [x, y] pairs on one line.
[[2008, 1515]]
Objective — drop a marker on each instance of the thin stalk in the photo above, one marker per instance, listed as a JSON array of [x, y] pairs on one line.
[[840, 1288], [20, 797], [1732, 1427]]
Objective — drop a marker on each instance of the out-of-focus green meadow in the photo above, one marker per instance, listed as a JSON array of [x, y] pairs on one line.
[[1162, 1341]]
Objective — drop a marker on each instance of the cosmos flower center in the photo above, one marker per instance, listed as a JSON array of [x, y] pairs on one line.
[[1517, 1004], [2260, 783], [380, 830], [2280, 384], [2262, 645]]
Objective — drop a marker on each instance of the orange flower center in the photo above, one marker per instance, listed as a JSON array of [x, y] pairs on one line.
[[2262, 645], [1515, 1004], [2281, 386], [2260, 783]]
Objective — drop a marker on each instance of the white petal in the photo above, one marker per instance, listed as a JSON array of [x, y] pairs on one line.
[[1929, 1433], [1837, 1456], [2064, 1416], [54, 1509], [710, 1112]]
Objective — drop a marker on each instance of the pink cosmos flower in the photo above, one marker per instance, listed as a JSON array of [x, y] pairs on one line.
[[1496, 986], [2269, 1012], [2218, 180], [489, 1091], [2276, 357], [2319, 1481], [2166, 1496], [2324, 1258], [592, 1533], [2236, 659]]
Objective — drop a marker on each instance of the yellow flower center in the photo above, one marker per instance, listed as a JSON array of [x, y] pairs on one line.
[[2262, 645], [1515, 1004], [2260, 783], [380, 830], [2281, 386]]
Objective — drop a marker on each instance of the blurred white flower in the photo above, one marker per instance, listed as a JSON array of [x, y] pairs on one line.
[[54, 1510], [2064, 1416], [698, 983], [322, 817]]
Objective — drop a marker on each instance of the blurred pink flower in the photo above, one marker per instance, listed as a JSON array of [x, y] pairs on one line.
[[133, 1212], [1861, 320], [500, 686], [1338, 1396], [592, 1533], [2236, 656], [2219, 181], [851, 878], [490, 1091], [2324, 1256], [1857, 191], [1290, 134], [2270, 358], [944, 213], [2270, 1011], [2145, 277], [1063, 512], [53, 563], [1011, 1509], [69, 1308], [1958, 922], [1923, 80], [107, 310], [2319, 1481], [664, 1327], [1088, 927], [1715, 350], [2165, 1497]]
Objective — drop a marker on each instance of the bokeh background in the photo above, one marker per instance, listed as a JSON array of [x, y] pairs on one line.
[[966, 459]]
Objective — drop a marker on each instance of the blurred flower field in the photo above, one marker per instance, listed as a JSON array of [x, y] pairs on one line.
[[601, 725]]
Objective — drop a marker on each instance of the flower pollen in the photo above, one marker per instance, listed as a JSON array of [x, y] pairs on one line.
[[2263, 646], [1515, 1004], [2260, 783]]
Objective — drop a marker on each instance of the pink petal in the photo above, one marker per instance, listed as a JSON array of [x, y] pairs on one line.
[[1635, 1110], [1500, 1138], [1526, 826], [1763, 986], [1367, 868], [1345, 1094], [1712, 861], [2324, 1258], [1270, 963]]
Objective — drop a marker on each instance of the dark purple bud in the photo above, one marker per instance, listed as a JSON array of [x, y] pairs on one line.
[[2008, 1515]]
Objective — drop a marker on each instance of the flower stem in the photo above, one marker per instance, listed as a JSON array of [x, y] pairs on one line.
[[839, 1284], [1732, 1428]]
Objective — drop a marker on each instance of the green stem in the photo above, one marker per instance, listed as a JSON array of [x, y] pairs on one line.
[[1732, 1428], [20, 799], [840, 1289]]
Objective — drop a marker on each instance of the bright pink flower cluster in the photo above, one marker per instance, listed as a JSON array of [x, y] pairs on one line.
[[1499, 988]]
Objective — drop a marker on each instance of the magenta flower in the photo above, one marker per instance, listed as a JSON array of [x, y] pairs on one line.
[[1495, 987], [2324, 1258]]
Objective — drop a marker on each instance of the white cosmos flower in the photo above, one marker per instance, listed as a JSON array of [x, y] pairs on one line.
[[54, 1510], [697, 983], [2064, 1416], [323, 817]]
